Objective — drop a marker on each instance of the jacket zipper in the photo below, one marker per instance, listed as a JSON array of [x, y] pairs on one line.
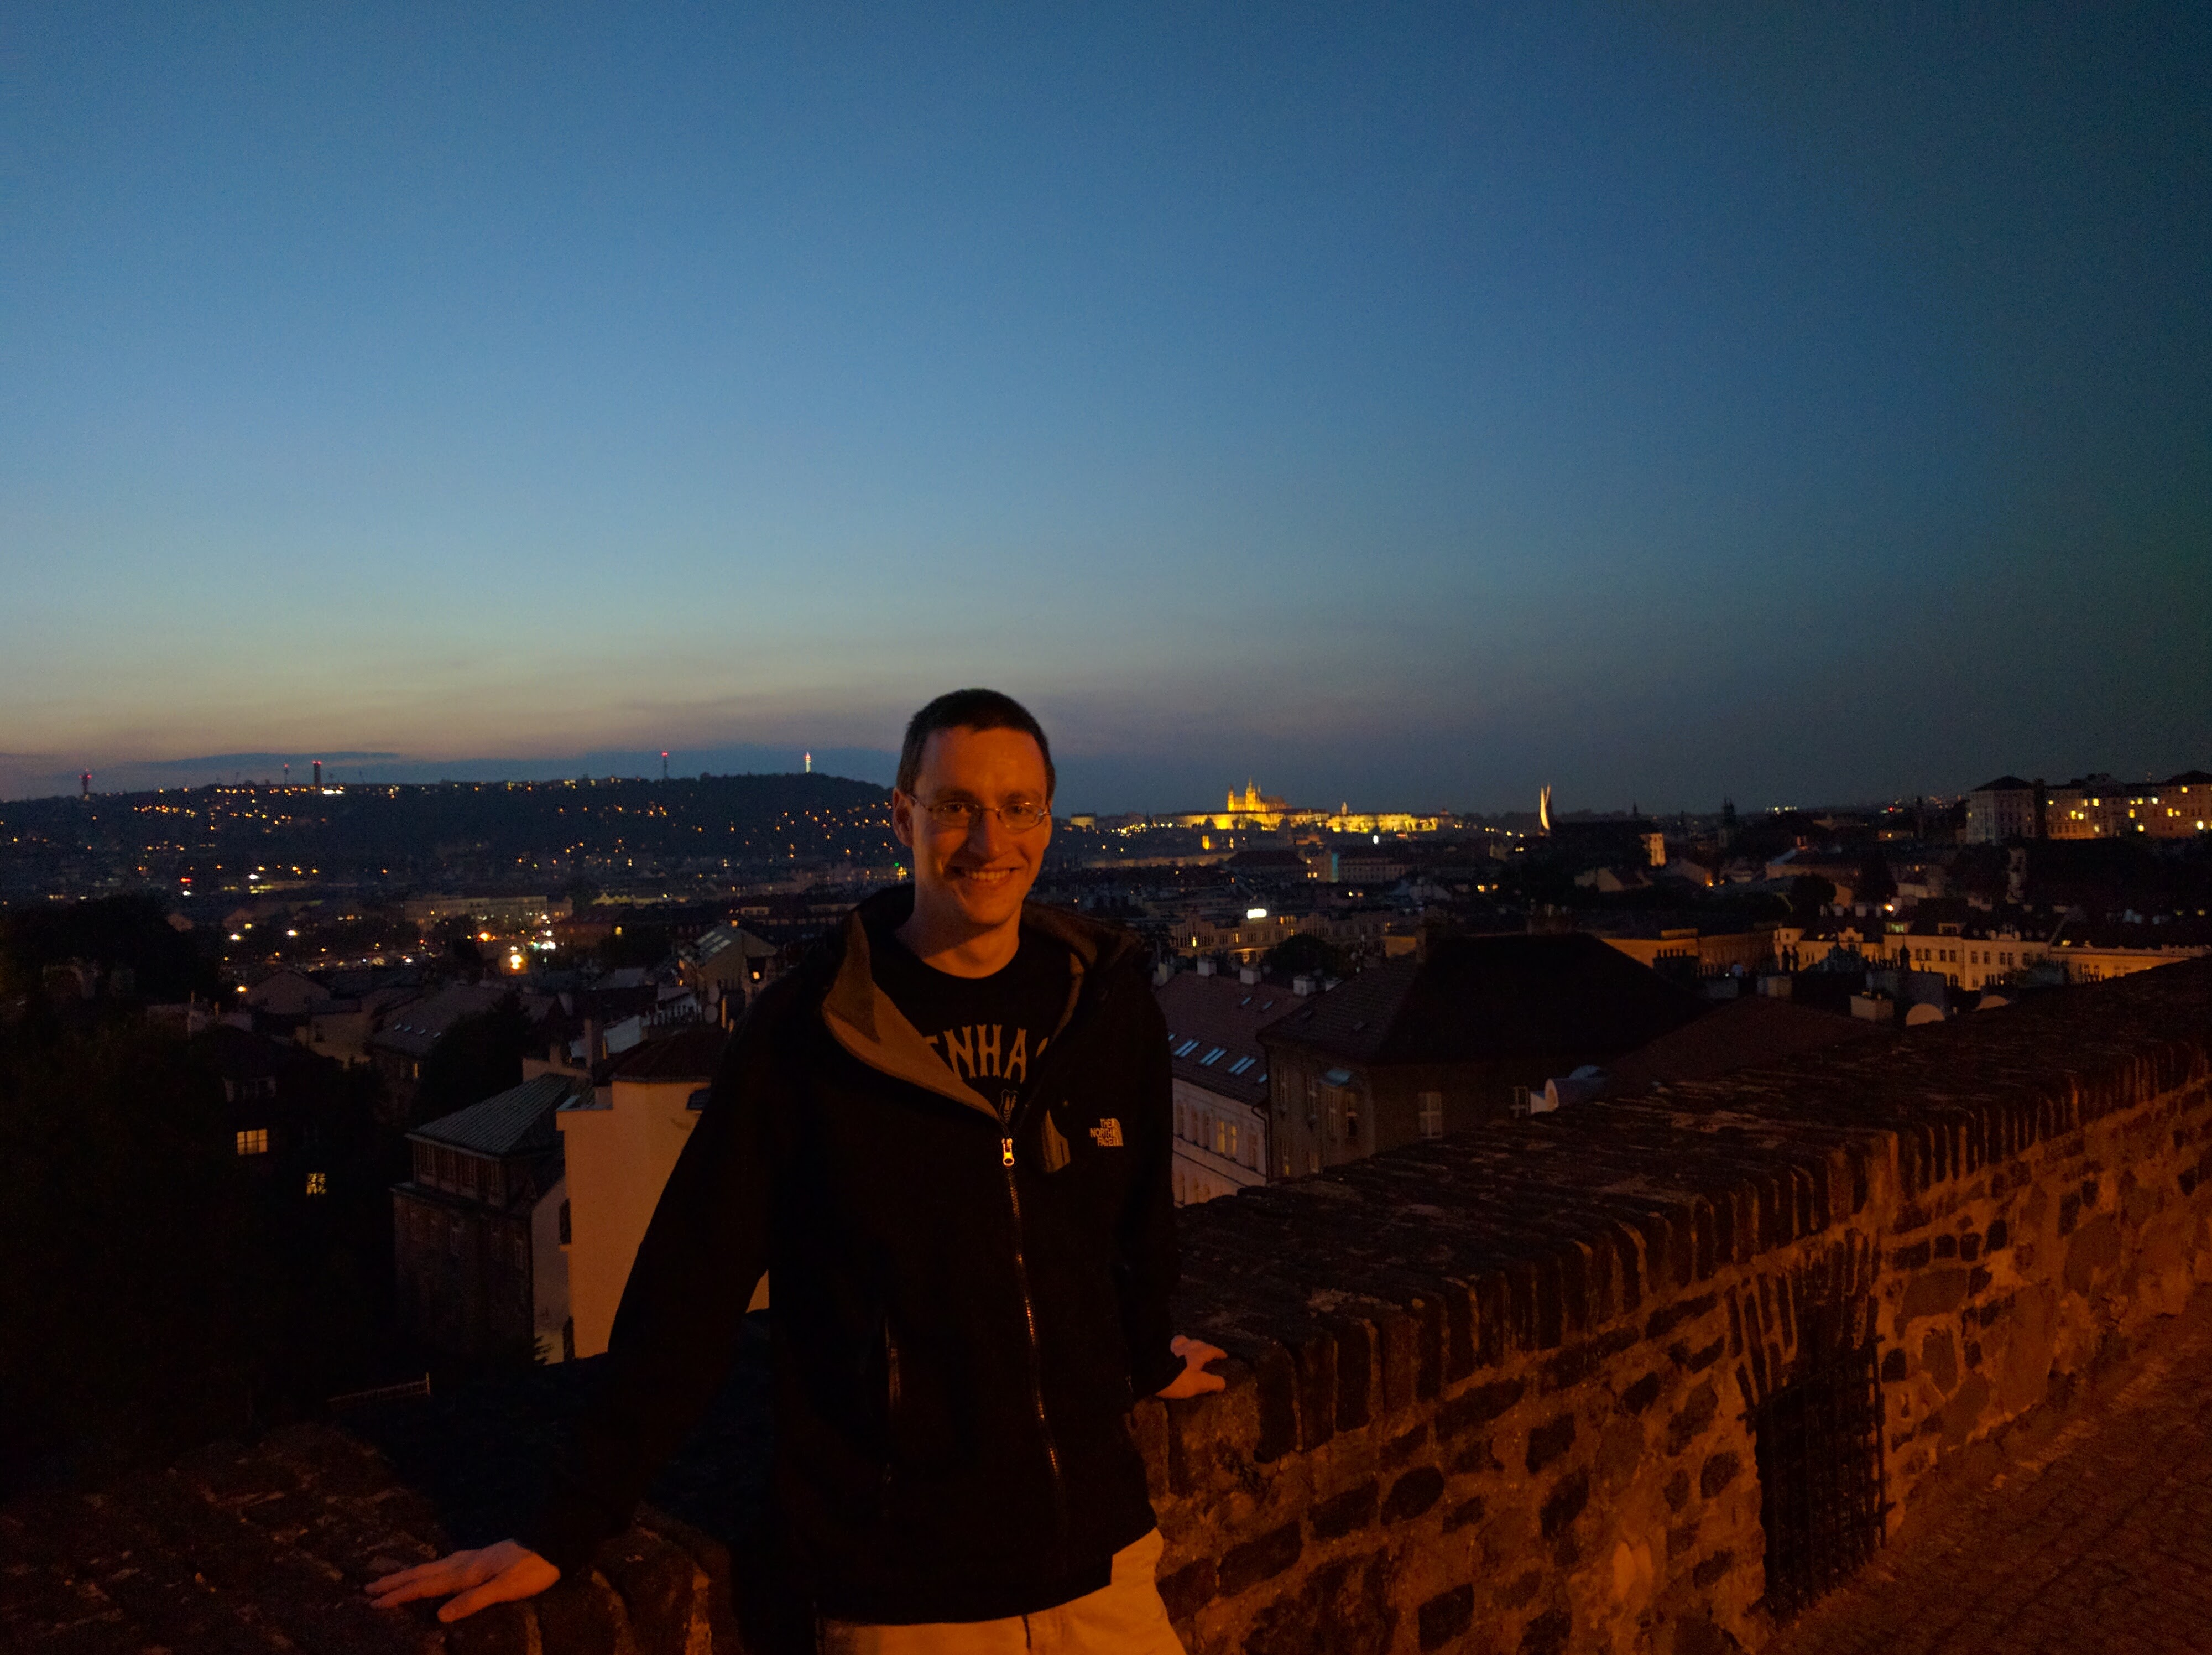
[[890, 1408], [1036, 1357]]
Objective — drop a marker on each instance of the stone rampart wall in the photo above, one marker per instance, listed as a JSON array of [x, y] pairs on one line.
[[1499, 1392], [1496, 1392]]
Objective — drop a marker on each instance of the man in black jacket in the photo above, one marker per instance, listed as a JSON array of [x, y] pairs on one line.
[[946, 1137]]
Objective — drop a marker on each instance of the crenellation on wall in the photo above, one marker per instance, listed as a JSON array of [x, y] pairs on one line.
[[1500, 1391]]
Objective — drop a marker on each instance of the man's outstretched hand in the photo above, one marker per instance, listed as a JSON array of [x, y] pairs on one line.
[[1193, 1380], [492, 1574]]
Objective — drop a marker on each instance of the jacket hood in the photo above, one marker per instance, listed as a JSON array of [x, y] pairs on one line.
[[862, 1019]]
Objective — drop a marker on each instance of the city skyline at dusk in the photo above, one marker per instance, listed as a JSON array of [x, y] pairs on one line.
[[1409, 411]]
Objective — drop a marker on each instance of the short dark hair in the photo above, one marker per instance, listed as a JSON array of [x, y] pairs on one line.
[[969, 710]]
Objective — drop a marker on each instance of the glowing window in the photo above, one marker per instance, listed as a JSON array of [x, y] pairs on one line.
[[254, 1141], [318, 1183]]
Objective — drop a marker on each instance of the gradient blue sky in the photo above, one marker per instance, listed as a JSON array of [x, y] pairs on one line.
[[1406, 405]]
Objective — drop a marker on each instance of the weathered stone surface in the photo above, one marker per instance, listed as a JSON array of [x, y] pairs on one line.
[[1565, 1504], [1549, 1440], [1413, 1494], [1190, 1588], [1339, 1514], [1245, 1566], [1340, 1606], [1477, 1407], [1445, 1616], [1532, 1353]]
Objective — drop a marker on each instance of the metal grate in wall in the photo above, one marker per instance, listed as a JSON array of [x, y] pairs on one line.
[[1819, 1445]]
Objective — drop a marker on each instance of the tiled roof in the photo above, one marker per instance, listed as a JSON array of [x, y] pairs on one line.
[[1751, 1031], [2006, 784], [1480, 999], [713, 942], [1352, 1019], [692, 1053], [1220, 1018], [516, 1122], [414, 1028]]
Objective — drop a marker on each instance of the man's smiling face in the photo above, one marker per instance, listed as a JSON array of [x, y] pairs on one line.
[[974, 878]]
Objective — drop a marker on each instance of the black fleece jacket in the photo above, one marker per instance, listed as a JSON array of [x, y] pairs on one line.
[[964, 1311]]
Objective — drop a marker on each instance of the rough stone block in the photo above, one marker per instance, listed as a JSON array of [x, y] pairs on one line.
[[1413, 1494], [1477, 1407], [1475, 1459], [1697, 1411], [1340, 1514], [1565, 1504], [1276, 1377], [1446, 1615], [583, 1617], [1719, 1470], [1344, 1605], [1549, 1633], [1620, 1453], [1245, 1566], [1189, 1589], [1407, 1446], [712, 1559], [1573, 1365], [502, 1629], [663, 1591], [2094, 1249], [1521, 1589], [1665, 1320], [1641, 1395], [1210, 1438], [1933, 1292], [1546, 1442]]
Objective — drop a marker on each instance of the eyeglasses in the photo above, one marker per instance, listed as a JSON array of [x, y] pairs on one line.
[[958, 815]]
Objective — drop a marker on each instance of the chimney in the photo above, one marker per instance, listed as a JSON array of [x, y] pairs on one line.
[[318, 772], [1302, 985], [1206, 968], [1247, 975]]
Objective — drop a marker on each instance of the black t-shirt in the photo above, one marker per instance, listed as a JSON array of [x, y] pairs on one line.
[[990, 1031]]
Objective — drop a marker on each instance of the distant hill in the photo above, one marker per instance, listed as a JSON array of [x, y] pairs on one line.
[[489, 830]]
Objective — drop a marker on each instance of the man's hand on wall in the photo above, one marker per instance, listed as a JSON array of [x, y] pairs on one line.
[[1193, 1380], [492, 1574]]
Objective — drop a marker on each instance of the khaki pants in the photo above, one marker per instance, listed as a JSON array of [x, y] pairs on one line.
[[1125, 1616]]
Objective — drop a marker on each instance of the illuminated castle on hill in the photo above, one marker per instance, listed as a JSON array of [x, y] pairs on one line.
[[1267, 812], [1253, 802]]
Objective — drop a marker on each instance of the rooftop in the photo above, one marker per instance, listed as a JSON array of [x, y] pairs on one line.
[[516, 1122], [1213, 1031], [1482, 999]]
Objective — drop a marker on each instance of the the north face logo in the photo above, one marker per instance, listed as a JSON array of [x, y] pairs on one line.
[[1107, 1134]]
